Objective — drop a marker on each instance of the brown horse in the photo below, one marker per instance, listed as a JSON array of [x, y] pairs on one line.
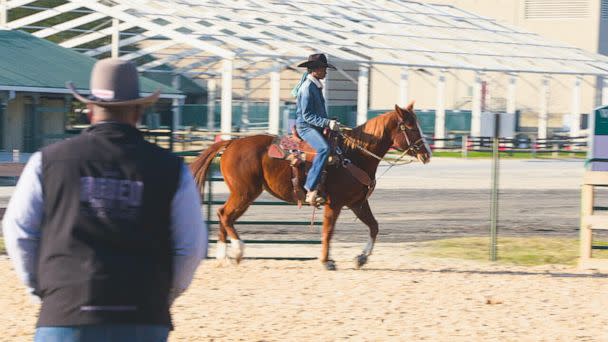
[[248, 170]]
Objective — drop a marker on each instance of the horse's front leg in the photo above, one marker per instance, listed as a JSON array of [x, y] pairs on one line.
[[364, 213], [330, 217]]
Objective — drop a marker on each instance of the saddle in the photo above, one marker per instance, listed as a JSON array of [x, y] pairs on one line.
[[300, 156]]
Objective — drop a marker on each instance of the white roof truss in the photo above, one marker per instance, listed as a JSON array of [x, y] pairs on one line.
[[191, 36]]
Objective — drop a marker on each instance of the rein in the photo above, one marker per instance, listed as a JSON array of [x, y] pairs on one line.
[[411, 147]]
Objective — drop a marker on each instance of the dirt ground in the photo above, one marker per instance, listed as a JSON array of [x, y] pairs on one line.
[[396, 297]]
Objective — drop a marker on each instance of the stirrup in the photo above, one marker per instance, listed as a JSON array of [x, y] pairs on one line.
[[314, 199]]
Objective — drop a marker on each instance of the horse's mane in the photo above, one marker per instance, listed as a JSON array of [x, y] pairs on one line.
[[372, 131]]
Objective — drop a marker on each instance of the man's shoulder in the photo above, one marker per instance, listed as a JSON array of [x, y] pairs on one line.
[[160, 152], [64, 146], [310, 87]]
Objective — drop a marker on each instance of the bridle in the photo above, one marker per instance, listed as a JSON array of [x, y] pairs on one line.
[[416, 146]]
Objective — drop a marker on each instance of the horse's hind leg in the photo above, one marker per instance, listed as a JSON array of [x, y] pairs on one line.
[[331, 214], [364, 213], [235, 206]]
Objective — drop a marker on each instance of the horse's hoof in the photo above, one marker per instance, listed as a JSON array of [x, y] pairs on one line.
[[330, 265], [360, 260], [219, 263]]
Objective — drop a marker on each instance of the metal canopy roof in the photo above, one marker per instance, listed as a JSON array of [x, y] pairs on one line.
[[192, 36], [32, 64]]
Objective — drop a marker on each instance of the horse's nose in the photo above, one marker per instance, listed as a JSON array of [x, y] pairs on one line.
[[424, 157]]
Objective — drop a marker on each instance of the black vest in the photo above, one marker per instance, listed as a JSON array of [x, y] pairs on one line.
[[105, 251]]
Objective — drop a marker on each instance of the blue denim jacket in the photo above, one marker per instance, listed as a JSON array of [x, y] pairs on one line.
[[310, 110]]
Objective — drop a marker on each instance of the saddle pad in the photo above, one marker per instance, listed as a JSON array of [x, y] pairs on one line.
[[275, 151], [289, 144]]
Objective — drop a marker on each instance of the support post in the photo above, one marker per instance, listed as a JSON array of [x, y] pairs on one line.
[[464, 145], [440, 111], [326, 91], [176, 103], [495, 173], [275, 100], [115, 38], [605, 91], [226, 121], [586, 234], [404, 87], [476, 107], [542, 113], [3, 13], [245, 114], [511, 94], [362, 93], [211, 94], [575, 123]]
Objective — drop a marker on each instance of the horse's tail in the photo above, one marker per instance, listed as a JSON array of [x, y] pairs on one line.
[[200, 166]]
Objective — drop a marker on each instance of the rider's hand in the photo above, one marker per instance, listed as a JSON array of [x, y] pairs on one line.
[[334, 125]]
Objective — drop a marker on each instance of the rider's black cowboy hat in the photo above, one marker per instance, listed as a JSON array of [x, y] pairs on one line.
[[317, 60]]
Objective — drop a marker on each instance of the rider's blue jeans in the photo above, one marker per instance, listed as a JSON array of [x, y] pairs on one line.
[[103, 333], [317, 141]]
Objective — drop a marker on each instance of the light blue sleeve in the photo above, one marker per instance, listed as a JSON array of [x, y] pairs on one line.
[[189, 233], [306, 101], [22, 220]]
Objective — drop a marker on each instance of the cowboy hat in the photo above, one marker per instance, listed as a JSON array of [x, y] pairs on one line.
[[114, 82], [317, 60]]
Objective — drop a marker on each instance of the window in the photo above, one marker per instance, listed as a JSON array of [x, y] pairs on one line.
[[604, 10]]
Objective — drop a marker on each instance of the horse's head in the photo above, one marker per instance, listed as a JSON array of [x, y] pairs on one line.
[[408, 136]]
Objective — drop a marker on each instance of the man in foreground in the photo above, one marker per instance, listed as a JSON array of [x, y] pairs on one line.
[[105, 228]]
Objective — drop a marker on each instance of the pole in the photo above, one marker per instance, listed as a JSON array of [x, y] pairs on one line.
[[494, 208], [226, 117], [362, 94], [211, 89], [245, 113], [464, 146], [476, 107], [403, 87], [3, 13], [274, 106], [115, 38], [440, 112], [542, 115], [575, 124]]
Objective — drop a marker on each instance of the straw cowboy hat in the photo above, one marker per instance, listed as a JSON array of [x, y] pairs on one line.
[[317, 60], [114, 82]]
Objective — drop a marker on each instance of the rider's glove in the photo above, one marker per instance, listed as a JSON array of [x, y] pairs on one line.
[[334, 125]]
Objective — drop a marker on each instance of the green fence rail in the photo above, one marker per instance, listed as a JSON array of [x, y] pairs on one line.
[[209, 202]]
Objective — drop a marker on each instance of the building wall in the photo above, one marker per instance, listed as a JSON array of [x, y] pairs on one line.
[[580, 29], [14, 120], [50, 121]]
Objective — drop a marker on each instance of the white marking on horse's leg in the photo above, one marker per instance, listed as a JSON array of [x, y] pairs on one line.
[[220, 250], [237, 248], [367, 251]]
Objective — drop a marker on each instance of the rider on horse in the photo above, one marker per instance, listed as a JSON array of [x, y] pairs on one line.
[[311, 118]]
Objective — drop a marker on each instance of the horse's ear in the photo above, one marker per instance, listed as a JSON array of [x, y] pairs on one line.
[[398, 110], [410, 106]]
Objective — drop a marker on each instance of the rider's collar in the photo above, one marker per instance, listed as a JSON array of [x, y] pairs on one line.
[[315, 81]]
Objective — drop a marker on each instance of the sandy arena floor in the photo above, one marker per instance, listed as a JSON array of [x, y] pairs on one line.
[[397, 297]]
